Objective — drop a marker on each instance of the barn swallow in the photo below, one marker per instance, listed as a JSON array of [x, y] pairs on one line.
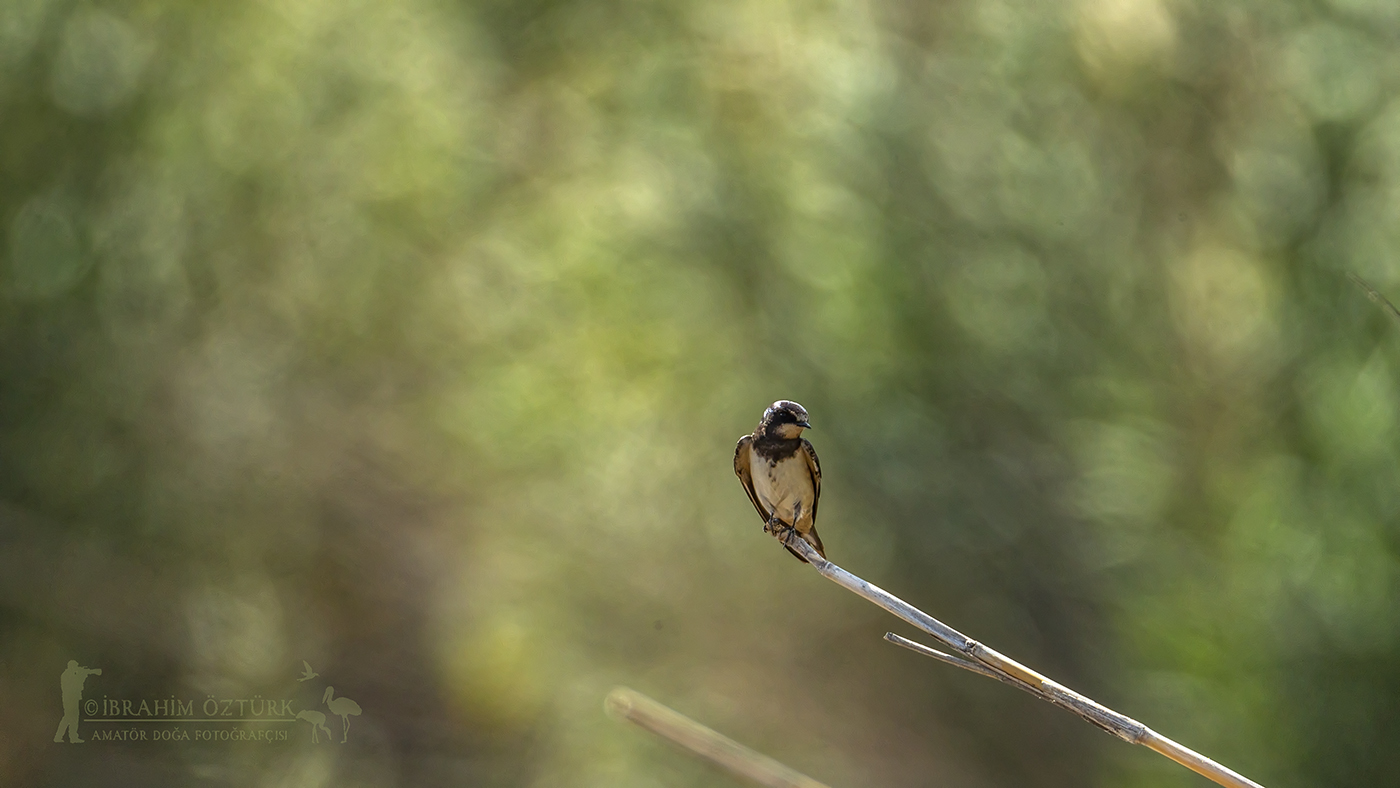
[[779, 470]]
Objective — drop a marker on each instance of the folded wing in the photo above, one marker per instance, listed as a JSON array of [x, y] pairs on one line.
[[815, 468], [743, 452]]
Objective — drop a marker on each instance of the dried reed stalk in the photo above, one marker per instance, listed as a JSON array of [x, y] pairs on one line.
[[633, 706], [969, 654]]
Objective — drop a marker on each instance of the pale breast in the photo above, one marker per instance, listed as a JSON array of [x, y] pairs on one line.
[[784, 487]]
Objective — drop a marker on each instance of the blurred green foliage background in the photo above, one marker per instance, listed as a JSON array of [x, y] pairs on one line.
[[412, 339]]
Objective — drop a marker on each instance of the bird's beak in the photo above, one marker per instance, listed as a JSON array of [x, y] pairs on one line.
[[804, 425]]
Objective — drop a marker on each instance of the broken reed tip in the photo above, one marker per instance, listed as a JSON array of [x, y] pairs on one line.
[[619, 703]]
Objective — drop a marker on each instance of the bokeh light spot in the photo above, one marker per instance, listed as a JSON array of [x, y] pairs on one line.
[[99, 63], [46, 253]]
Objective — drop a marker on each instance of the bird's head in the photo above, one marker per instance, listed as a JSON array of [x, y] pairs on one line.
[[784, 419]]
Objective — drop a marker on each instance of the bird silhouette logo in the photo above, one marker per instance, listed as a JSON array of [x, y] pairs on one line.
[[342, 707], [317, 720]]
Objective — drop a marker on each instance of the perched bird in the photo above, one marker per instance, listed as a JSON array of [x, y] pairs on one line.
[[779, 470]]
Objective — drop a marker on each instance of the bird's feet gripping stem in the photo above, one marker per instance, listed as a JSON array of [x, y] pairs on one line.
[[787, 533], [780, 529]]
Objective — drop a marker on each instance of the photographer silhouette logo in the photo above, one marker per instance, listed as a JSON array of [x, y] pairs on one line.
[[72, 684]]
